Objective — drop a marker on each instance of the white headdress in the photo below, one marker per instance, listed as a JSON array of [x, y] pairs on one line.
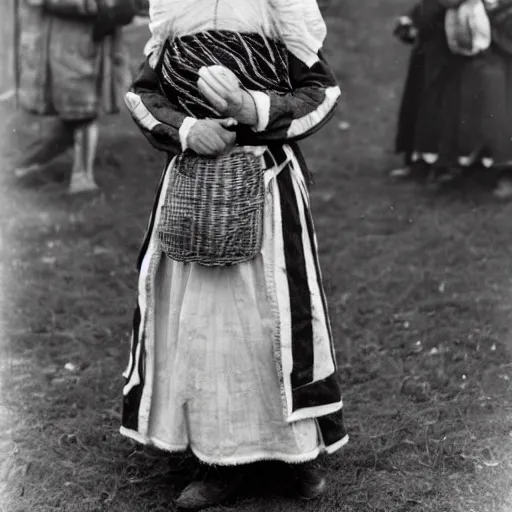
[[300, 24], [302, 27]]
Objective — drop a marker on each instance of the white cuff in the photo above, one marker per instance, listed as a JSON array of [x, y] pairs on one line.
[[185, 130], [262, 103], [139, 111]]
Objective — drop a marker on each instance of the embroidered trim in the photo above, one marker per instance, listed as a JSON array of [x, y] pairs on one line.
[[306, 123]]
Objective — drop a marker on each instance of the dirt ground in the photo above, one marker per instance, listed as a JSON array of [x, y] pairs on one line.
[[419, 289]]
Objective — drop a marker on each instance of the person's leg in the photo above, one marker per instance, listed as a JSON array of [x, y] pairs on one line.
[[85, 145], [36, 141]]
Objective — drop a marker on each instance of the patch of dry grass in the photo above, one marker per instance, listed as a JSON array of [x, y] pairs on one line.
[[419, 291]]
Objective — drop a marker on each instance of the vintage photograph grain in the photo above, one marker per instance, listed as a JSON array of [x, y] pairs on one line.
[[255, 255]]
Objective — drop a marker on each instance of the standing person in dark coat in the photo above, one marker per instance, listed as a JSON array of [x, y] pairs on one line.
[[462, 117]]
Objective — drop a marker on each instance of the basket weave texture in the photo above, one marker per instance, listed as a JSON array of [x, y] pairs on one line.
[[213, 210]]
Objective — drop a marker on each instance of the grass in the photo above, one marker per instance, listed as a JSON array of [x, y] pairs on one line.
[[419, 291]]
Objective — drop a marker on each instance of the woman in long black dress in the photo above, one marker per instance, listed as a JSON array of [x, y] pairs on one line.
[[461, 115]]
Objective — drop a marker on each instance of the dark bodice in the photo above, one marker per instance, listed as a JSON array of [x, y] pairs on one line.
[[260, 63]]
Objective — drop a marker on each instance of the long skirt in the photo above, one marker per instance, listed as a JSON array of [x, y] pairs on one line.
[[463, 111], [216, 386]]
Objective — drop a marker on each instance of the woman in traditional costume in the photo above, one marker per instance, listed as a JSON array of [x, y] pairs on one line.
[[462, 116], [234, 361]]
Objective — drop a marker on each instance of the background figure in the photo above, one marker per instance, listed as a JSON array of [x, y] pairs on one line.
[[461, 115], [72, 69], [409, 106]]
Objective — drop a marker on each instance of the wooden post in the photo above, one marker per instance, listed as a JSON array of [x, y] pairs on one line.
[[9, 36]]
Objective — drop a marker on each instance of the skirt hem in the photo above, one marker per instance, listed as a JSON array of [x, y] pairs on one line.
[[235, 461], [314, 412]]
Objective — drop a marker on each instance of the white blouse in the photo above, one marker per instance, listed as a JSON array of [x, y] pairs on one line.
[[189, 17], [298, 23]]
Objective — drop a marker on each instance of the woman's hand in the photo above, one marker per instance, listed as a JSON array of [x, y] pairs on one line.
[[223, 91], [405, 30], [209, 137]]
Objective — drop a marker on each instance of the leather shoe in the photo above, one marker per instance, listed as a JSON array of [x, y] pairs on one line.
[[218, 485], [310, 481]]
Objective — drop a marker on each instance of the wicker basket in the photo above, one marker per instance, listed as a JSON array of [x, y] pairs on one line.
[[213, 209]]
